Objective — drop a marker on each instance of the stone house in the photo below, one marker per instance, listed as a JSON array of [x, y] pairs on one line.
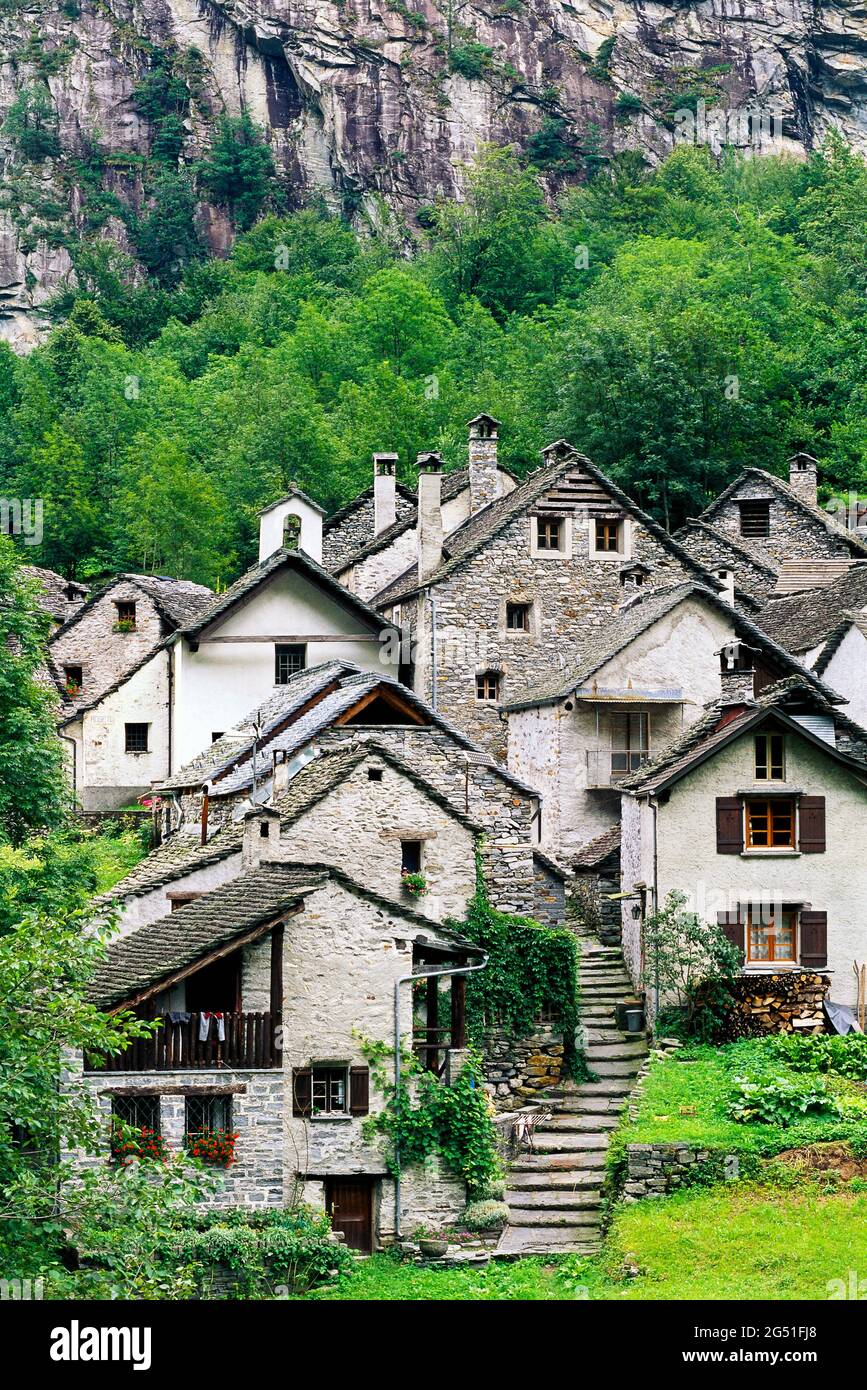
[[641, 679], [269, 988], [826, 628], [522, 585], [58, 596], [109, 661], [366, 563], [774, 525], [336, 705], [751, 816]]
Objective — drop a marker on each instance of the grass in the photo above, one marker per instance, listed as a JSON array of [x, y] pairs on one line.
[[728, 1242], [114, 856]]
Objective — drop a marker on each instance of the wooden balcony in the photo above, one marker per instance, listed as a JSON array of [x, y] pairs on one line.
[[250, 1042]]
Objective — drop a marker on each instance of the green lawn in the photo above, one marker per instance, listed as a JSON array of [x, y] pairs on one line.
[[728, 1242], [114, 856]]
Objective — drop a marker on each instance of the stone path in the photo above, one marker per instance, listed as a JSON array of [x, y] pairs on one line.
[[555, 1193]]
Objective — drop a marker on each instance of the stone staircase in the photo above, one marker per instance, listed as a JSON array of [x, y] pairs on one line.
[[554, 1194]]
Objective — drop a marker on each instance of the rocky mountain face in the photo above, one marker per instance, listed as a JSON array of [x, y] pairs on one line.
[[377, 103]]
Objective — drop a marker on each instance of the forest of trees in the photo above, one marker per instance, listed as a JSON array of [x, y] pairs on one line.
[[674, 324]]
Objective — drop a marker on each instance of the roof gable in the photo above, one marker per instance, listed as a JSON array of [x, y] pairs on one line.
[[792, 499]]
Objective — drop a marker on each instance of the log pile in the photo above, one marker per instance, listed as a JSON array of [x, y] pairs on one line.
[[786, 1002]]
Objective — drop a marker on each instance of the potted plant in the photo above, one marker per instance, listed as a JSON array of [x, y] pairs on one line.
[[432, 1244], [414, 884], [124, 625]]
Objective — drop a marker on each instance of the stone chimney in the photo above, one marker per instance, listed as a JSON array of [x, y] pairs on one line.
[[261, 839], [737, 673], [484, 473], [384, 498], [803, 477], [727, 579], [430, 514]]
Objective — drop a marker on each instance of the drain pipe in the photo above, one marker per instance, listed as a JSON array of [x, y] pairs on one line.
[[403, 979]]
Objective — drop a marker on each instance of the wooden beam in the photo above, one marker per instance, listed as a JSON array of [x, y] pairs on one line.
[[277, 974], [432, 1000], [381, 693], [459, 1010], [299, 638]]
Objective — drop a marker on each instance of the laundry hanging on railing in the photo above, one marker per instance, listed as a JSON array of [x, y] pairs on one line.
[[205, 1026]]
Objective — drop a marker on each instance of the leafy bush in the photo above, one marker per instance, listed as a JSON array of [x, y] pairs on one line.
[[470, 59], [779, 1100], [690, 963], [485, 1216], [823, 1052], [294, 1248]]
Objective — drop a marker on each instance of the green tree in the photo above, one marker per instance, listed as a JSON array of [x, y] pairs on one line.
[[165, 235], [239, 170], [31, 123]]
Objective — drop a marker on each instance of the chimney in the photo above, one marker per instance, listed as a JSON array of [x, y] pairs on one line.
[[803, 477], [430, 514], [384, 499], [727, 579], [261, 838], [484, 473], [737, 673]]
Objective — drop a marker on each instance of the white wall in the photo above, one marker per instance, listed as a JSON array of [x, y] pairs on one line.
[[106, 775], [846, 673], [271, 528], [222, 682]]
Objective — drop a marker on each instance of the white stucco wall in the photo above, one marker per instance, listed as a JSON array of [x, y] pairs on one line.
[[106, 776], [846, 673], [221, 682], [138, 911], [271, 528], [833, 881]]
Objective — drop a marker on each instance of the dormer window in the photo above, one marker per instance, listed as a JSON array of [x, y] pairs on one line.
[[770, 766], [755, 517], [125, 610]]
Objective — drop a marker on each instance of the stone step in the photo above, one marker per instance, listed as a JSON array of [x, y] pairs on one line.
[[605, 994], [605, 1086], [554, 1144], [534, 1240], [575, 1122], [574, 1180], [595, 1033], [556, 1199], [608, 1070], [571, 1161], [593, 1105], [600, 976], [613, 1052], [589, 1220]]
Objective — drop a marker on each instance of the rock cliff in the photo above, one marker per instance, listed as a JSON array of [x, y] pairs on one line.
[[376, 103]]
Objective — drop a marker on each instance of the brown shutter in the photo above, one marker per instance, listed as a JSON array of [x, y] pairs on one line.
[[734, 927], [812, 822], [302, 1090], [729, 825], [359, 1090], [814, 940]]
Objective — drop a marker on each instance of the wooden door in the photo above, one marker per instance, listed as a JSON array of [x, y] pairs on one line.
[[350, 1203]]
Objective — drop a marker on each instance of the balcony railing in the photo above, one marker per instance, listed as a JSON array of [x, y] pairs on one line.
[[605, 767], [250, 1042]]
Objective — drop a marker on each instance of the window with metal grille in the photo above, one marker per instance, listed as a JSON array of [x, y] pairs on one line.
[[769, 758], [608, 535], [630, 741], [207, 1113], [488, 686], [771, 824], [126, 612], [140, 1112], [289, 659], [518, 617], [136, 738], [549, 532], [755, 518], [329, 1091]]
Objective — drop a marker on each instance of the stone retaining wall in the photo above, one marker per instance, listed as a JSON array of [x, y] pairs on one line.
[[516, 1071], [652, 1170]]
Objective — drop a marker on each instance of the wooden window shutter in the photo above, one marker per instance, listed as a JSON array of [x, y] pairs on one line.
[[359, 1090], [734, 928], [729, 825], [812, 820], [302, 1090], [814, 940]]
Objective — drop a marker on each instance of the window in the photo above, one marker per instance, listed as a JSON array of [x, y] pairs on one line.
[[73, 679], [607, 534], [288, 661], [771, 936], [410, 856], [328, 1091], [374, 774], [517, 617], [771, 824], [136, 738], [488, 686], [126, 614], [207, 1113], [769, 758], [140, 1112], [755, 518], [215, 738], [179, 900], [630, 741], [549, 533]]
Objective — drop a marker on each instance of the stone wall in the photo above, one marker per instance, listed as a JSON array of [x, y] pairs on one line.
[[753, 576], [652, 1170], [345, 534], [516, 1071], [549, 904], [794, 533]]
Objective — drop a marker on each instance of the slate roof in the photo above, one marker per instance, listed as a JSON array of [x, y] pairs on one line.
[[453, 483], [739, 548], [343, 513], [181, 854], [462, 543], [160, 949], [176, 600], [237, 742], [604, 643], [53, 596], [287, 497], [298, 560], [839, 532], [806, 620], [597, 850], [797, 575], [707, 735]]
